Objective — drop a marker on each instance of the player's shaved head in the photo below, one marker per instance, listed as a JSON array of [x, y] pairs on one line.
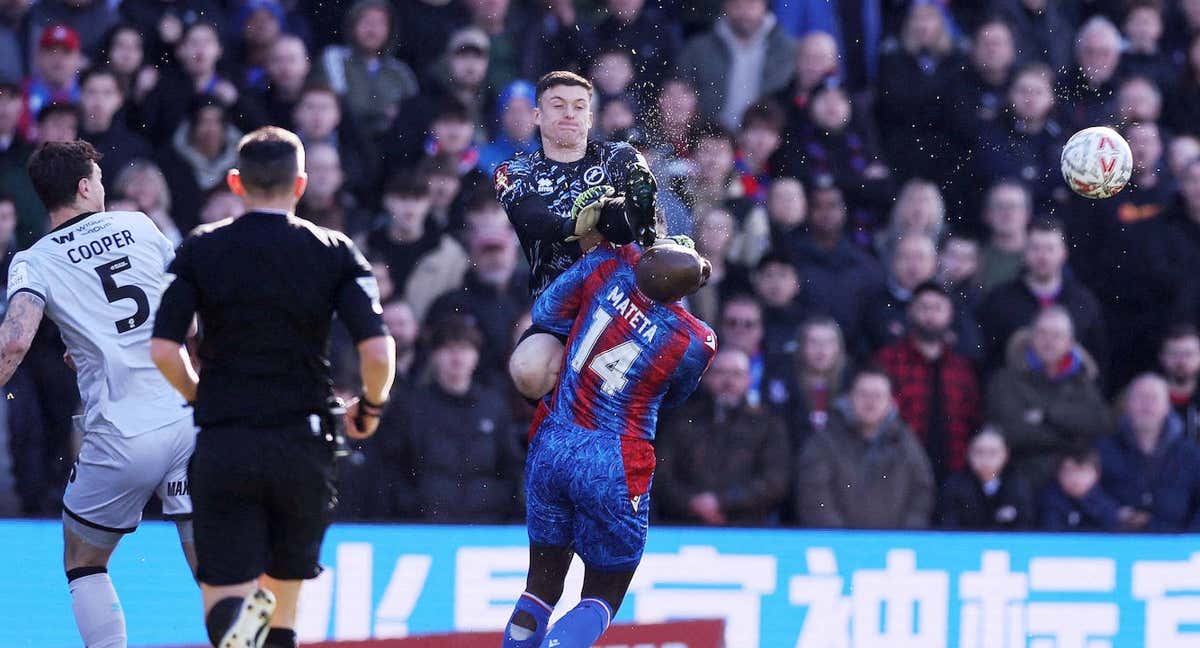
[[269, 160], [668, 272]]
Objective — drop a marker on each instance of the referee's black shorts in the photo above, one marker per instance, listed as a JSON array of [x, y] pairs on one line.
[[263, 497]]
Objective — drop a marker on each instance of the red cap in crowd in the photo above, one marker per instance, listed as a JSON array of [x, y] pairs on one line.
[[59, 35]]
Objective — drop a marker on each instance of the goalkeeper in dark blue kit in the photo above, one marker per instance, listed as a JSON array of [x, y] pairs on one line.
[[563, 200]]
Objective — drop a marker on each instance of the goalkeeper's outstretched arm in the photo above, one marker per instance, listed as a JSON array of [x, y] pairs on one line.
[[597, 208], [532, 219], [528, 210]]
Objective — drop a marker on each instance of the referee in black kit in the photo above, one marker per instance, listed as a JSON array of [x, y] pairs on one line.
[[266, 286]]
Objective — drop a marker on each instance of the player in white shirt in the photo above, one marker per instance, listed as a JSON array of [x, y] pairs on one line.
[[99, 276]]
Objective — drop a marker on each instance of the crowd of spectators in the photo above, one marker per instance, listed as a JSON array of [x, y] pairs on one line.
[[919, 324]]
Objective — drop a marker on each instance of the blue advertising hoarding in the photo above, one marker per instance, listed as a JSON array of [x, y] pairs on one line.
[[775, 588]]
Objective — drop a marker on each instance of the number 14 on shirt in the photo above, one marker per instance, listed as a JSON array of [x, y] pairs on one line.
[[610, 364]]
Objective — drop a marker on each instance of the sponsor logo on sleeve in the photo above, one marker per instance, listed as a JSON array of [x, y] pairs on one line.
[[18, 276], [371, 288]]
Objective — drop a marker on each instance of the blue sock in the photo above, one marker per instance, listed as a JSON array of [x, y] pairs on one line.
[[518, 635], [580, 627]]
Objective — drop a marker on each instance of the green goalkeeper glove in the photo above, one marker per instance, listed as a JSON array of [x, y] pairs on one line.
[[640, 196], [685, 241], [585, 212]]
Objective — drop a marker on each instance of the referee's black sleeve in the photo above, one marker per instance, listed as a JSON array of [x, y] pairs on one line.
[[179, 300], [357, 297]]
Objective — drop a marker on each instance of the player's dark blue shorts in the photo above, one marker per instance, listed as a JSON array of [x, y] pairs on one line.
[[589, 490]]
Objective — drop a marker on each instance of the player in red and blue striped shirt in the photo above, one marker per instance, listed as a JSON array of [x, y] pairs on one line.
[[632, 348]]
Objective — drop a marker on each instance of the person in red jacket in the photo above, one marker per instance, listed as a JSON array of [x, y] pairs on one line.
[[936, 390]]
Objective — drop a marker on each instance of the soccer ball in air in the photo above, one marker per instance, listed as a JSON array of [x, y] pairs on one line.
[[1096, 162]]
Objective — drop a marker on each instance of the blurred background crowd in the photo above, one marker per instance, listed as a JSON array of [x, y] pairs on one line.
[[919, 325]]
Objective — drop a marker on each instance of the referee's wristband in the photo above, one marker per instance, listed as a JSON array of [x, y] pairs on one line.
[[365, 403]]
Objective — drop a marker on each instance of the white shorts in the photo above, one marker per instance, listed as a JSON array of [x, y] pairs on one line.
[[114, 477]]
